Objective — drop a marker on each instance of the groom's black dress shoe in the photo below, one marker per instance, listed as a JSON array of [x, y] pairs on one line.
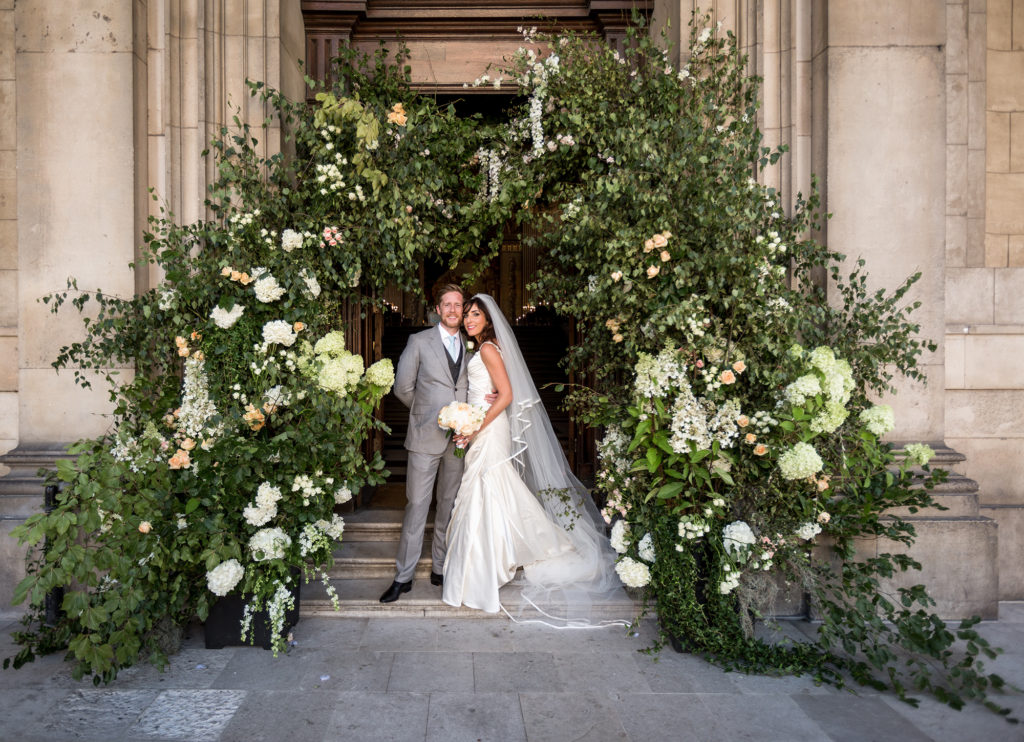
[[436, 579], [397, 588]]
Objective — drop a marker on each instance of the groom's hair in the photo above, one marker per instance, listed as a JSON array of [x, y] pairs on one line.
[[447, 288]]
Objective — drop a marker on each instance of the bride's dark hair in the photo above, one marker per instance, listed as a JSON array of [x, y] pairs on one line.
[[488, 332]]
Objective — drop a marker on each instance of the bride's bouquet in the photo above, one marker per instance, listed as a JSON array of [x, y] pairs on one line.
[[462, 418]]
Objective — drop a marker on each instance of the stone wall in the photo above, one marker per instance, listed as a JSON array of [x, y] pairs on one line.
[[8, 235], [985, 263]]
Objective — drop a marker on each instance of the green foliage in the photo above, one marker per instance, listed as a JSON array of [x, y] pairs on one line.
[[232, 426], [690, 284]]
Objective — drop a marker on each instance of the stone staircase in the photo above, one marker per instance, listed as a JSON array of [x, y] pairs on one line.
[[364, 566]]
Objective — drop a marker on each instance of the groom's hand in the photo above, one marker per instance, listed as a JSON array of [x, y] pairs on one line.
[[490, 398]]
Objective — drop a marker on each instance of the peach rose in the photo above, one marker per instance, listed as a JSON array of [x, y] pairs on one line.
[[236, 275], [244, 279], [750, 438], [183, 351], [299, 326], [180, 460], [199, 355], [195, 335], [397, 115], [188, 444], [617, 338], [617, 276], [760, 449], [739, 367], [653, 271], [180, 341], [743, 421], [659, 240], [253, 417], [665, 256], [824, 517], [649, 246], [727, 377], [145, 526], [226, 271]]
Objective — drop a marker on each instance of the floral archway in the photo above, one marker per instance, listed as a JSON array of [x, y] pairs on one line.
[[733, 396]]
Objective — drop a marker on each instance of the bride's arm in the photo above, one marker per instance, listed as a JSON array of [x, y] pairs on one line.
[[499, 377]]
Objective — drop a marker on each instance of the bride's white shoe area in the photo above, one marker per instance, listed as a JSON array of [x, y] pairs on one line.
[[365, 565]]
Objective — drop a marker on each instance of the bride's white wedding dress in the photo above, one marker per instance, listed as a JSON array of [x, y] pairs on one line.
[[498, 524]]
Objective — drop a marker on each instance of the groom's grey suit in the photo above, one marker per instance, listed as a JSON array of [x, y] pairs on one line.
[[425, 383]]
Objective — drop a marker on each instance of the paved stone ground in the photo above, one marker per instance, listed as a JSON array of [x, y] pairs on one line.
[[464, 679]]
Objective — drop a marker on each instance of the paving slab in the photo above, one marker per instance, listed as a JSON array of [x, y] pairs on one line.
[[766, 718], [586, 717], [515, 672], [425, 672], [849, 718], [472, 717], [379, 717], [193, 715], [307, 713]]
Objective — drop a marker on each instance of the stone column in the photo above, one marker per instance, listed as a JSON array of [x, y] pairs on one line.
[[885, 148]]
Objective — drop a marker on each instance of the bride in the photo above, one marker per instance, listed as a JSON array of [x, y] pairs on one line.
[[519, 504]]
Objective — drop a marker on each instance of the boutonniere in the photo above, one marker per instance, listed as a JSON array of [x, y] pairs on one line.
[[470, 346]]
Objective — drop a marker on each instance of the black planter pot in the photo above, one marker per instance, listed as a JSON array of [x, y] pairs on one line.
[[224, 624]]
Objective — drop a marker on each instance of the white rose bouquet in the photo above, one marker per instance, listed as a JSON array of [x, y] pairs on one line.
[[461, 418]]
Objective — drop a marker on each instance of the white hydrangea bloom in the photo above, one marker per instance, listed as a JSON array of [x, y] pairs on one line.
[[279, 331], [807, 531], [646, 548], [269, 543], [800, 461], [312, 285], [291, 240], [918, 454], [804, 387], [196, 406], [878, 419], [737, 537], [223, 578], [620, 531], [342, 495], [225, 318], [267, 289], [633, 573], [381, 373]]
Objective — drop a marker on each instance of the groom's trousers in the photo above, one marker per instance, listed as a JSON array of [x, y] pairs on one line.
[[422, 470]]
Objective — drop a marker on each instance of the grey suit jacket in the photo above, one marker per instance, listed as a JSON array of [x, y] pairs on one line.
[[423, 382]]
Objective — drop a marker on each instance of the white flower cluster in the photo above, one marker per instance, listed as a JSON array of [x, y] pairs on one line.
[[800, 461], [612, 448], [310, 282], [837, 372], [691, 528], [196, 407], [699, 421], [267, 289], [240, 220], [329, 177], [800, 390], [126, 450], [225, 318], [657, 375], [342, 495], [737, 537], [264, 508], [308, 489], [280, 332], [646, 548], [731, 581], [223, 578], [633, 573], [619, 536], [879, 419], [381, 373], [269, 543], [291, 240], [277, 608], [807, 531], [917, 454], [338, 374], [333, 528]]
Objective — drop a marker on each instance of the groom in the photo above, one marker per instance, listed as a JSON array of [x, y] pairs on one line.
[[431, 373]]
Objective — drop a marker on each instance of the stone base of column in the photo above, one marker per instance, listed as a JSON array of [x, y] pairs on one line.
[[1011, 548], [21, 495]]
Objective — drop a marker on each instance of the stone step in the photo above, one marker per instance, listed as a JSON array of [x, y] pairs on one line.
[[373, 560], [361, 599], [372, 524]]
